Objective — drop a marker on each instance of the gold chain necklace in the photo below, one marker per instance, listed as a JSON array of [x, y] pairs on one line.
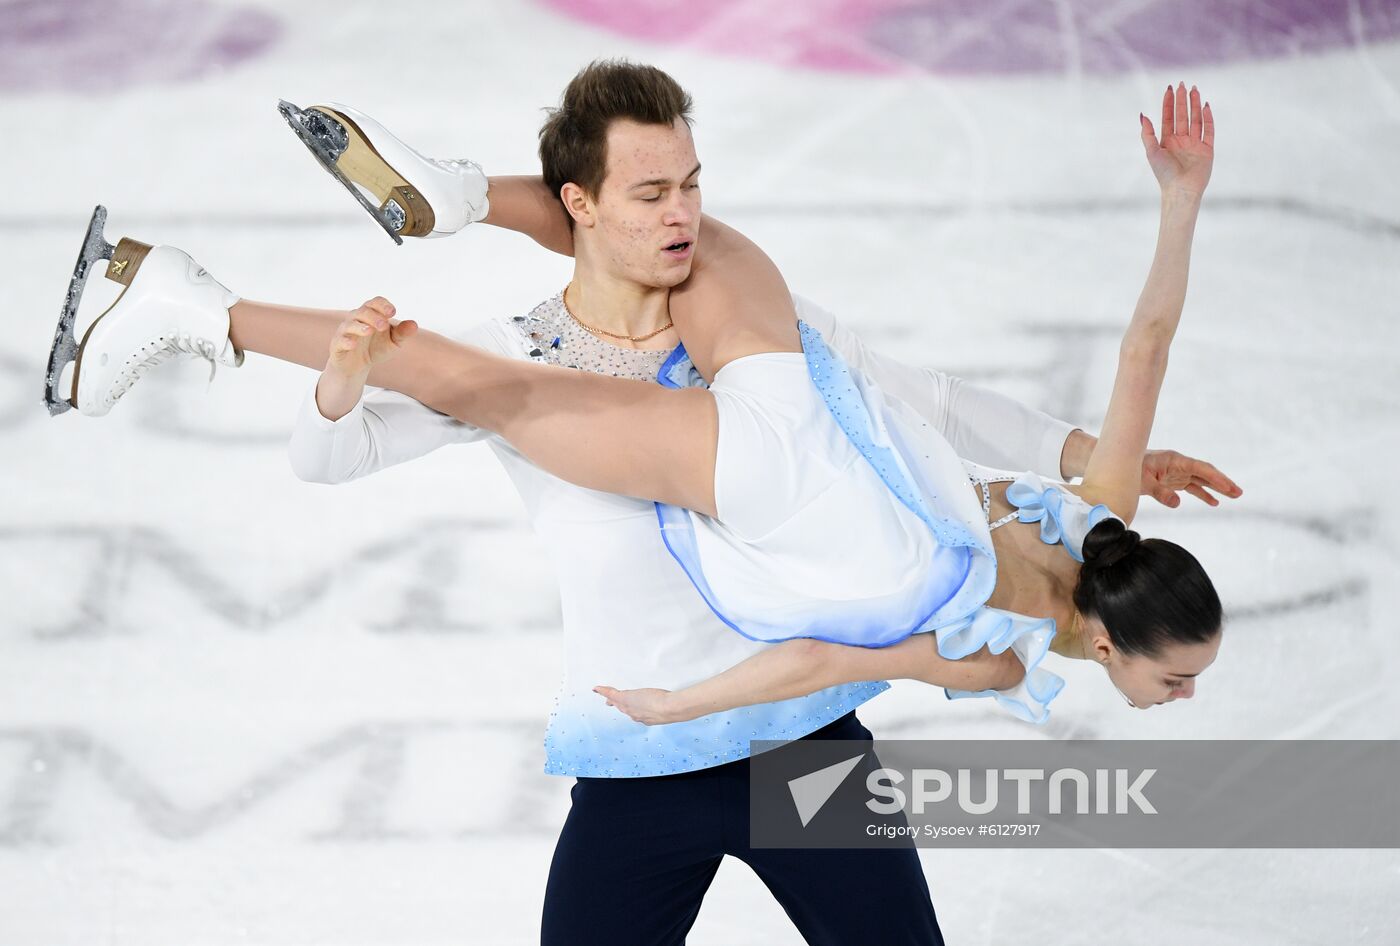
[[564, 298]]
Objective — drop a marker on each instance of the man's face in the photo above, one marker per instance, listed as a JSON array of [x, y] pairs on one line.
[[647, 212]]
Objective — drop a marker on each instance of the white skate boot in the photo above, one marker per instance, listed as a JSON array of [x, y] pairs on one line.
[[412, 195], [170, 307]]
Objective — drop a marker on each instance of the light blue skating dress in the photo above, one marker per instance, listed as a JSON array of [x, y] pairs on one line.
[[843, 516]]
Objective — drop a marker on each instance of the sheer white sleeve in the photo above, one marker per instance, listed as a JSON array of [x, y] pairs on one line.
[[983, 426], [385, 428]]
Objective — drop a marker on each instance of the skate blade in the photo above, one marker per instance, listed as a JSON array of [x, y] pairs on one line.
[[361, 161], [330, 141], [65, 346]]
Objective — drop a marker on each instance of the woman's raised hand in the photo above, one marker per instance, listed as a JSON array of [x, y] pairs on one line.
[[368, 336], [1181, 158]]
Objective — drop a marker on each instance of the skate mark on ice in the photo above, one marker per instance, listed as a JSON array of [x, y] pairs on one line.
[[97, 46], [1271, 564], [364, 766], [18, 403], [971, 37], [1063, 393], [1354, 589], [437, 565], [164, 408], [1042, 383], [118, 570], [1345, 218]]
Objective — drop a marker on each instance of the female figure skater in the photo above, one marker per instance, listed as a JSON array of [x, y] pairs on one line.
[[809, 507]]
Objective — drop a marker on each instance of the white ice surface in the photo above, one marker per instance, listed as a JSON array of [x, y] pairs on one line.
[[239, 708]]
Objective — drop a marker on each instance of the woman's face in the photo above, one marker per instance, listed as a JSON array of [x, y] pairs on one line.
[[1151, 681]]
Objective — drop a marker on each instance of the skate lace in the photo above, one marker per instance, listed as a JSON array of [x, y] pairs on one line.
[[452, 164], [158, 351]]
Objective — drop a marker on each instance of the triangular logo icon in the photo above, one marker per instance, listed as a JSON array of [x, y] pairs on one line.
[[810, 792]]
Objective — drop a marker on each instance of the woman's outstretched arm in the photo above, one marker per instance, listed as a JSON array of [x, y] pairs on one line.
[[801, 666], [1181, 161]]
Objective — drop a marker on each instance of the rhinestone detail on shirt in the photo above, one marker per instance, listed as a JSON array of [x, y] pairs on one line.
[[550, 336]]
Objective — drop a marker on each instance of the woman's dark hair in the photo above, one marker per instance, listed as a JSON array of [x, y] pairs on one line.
[[1148, 593]]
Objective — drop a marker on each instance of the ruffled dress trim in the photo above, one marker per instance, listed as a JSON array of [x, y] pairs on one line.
[[1063, 517], [1028, 637]]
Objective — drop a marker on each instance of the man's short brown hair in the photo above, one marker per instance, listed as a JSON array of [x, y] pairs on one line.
[[574, 139]]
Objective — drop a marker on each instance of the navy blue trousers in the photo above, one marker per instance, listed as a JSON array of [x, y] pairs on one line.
[[637, 854]]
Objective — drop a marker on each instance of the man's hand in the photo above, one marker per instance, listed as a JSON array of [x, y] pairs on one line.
[[1166, 473]]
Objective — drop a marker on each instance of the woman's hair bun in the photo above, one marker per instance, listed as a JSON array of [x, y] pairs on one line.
[[1108, 543], [1148, 593]]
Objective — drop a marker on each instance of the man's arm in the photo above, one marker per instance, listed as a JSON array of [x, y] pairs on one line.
[[524, 203], [1166, 474]]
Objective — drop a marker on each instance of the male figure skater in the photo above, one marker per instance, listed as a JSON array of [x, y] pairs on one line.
[[654, 809]]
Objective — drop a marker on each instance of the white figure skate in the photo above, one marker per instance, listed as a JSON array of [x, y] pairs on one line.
[[170, 307], [407, 193]]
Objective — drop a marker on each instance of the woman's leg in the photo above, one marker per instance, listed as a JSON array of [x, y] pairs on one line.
[[734, 303], [610, 434], [526, 205], [303, 337], [602, 433], [634, 438], [288, 333]]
